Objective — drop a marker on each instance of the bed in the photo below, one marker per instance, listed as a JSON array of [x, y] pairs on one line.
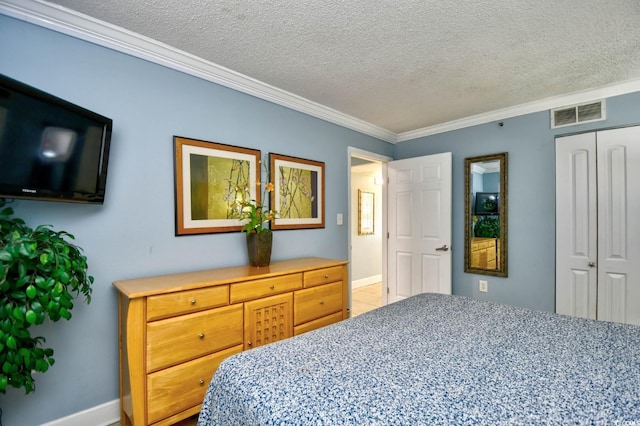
[[436, 359]]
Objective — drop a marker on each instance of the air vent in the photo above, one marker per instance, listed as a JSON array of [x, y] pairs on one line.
[[578, 114]]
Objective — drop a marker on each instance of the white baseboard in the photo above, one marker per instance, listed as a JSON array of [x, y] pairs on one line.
[[366, 281], [101, 415], [109, 413]]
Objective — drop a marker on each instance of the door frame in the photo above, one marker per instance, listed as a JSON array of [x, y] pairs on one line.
[[353, 152]]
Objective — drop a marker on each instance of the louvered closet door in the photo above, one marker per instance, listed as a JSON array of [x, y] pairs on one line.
[[598, 225]]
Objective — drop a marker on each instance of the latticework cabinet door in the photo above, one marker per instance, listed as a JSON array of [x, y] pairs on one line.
[[268, 320]]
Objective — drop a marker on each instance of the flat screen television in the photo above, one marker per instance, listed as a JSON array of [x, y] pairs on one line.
[[487, 203], [50, 149]]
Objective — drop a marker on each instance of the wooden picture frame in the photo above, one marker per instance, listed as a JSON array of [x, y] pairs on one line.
[[209, 178], [366, 212], [298, 194]]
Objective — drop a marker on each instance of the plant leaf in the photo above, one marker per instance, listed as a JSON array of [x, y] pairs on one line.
[[11, 343], [5, 255]]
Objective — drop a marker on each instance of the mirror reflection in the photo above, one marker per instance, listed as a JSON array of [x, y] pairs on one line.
[[486, 215]]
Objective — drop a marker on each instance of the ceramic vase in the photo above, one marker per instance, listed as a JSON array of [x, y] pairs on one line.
[[259, 248]]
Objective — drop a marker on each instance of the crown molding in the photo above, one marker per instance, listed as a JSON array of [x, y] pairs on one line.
[[526, 108], [86, 28]]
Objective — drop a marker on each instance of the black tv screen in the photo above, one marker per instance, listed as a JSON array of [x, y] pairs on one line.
[[487, 203], [50, 149]]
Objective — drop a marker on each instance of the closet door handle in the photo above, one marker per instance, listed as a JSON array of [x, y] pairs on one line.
[[591, 264], [443, 248]]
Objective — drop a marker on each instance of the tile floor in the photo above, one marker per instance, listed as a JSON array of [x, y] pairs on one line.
[[364, 299]]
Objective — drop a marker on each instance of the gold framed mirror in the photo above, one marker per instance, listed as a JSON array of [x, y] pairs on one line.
[[366, 212], [485, 221]]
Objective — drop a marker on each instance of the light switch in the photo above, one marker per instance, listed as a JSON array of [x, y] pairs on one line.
[[339, 219]]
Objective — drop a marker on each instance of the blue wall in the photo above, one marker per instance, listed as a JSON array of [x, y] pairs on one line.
[[531, 146], [132, 234], [491, 182]]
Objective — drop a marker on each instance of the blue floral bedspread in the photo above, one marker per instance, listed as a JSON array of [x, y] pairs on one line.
[[436, 359]]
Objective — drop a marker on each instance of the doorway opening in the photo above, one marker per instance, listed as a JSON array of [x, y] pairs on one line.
[[367, 231]]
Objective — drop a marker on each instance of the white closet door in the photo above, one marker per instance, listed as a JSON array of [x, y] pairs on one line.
[[619, 225], [576, 226], [598, 225]]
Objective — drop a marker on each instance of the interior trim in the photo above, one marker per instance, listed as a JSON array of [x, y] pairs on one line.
[[86, 28], [100, 415], [83, 27], [526, 108]]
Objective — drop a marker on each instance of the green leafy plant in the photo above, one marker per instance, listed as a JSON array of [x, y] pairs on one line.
[[486, 226], [256, 214], [40, 275]]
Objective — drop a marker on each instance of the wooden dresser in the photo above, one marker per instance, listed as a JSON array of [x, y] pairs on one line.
[[484, 253], [176, 329]]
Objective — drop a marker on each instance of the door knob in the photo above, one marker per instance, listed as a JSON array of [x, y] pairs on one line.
[[591, 264], [443, 248]]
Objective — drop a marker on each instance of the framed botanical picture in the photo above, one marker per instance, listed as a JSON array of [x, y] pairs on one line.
[[210, 180], [366, 212], [298, 194]]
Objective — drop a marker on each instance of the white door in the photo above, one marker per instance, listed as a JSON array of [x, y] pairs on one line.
[[419, 226], [619, 225], [597, 222], [576, 226]]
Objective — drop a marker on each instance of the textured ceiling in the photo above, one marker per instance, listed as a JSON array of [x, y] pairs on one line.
[[401, 65]]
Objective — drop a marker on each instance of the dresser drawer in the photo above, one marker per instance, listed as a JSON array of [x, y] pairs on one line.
[[318, 323], [482, 243], [475, 259], [322, 276], [179, 388], [174, 340], [316, 302], [265, 287], [184, 302], [491, 255]]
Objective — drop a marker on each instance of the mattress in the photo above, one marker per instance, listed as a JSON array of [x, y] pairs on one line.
[[436, 359]]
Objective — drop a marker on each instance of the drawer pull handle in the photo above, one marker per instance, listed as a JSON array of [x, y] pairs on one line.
[[322, 302], [201, 335], [201, 382], [272, 286], [326, 275], [249, 343], [193, 301]]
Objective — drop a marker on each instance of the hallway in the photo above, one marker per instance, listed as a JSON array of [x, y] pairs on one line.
[[367, 298]]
